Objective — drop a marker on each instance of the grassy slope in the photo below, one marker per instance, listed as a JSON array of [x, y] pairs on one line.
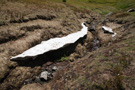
[[110, 68], [102, 6], [101, 65]]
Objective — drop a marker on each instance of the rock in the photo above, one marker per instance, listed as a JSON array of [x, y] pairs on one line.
[[96, 44], [44, 75], [54, 68], [131, 10]]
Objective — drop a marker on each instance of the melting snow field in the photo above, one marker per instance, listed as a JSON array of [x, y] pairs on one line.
[[109, 30], [52, 44]]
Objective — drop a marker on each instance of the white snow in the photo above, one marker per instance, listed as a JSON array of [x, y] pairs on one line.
[[52, 44], [114, 34], [108, 29]]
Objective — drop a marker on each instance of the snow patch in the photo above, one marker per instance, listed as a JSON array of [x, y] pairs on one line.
[[108, 29], [52, 44]]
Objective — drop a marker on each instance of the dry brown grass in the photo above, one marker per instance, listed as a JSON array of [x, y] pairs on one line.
[[7, 35], [41, 23]]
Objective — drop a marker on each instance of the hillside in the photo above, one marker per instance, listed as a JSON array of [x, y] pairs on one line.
[[96, 62]]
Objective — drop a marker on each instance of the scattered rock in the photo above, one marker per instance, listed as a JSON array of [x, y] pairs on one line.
[[45, 76], [54, 68], [96, 44], [131, 10]]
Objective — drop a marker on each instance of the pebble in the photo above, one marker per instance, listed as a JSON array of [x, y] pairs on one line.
[[54, 68], [44, 75]]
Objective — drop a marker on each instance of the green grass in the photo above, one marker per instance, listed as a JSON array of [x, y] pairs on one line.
[[64, 58], [100, 6]]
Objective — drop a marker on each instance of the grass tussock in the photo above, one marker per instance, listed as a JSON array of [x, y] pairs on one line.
[[64, 58]]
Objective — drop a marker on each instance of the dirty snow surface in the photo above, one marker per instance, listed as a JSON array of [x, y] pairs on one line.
[[52, 44]]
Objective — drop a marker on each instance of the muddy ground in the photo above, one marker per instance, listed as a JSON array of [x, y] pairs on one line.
[[95, 62]]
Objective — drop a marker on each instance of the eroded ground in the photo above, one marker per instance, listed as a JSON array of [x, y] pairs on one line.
[[97, 62]]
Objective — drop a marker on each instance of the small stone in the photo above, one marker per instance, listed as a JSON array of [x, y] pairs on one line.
[[44, 75], [54, 68], [131, 10]]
